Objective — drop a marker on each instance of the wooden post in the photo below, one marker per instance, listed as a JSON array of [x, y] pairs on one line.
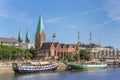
[[91, 45], [78, 48], [99, 53]]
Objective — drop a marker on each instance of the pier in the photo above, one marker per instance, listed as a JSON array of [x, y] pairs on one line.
[[113, 64]]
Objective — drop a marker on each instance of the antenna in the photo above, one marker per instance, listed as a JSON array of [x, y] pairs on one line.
[[53, 36]]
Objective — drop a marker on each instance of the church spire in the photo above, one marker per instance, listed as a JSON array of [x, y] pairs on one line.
[[27, 39], [20, 37], [40, 37], [40, 27]]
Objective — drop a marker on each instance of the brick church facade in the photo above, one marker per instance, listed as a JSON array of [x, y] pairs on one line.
[[50, 50]]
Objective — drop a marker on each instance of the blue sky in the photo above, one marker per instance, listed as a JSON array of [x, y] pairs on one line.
[[65, 17]]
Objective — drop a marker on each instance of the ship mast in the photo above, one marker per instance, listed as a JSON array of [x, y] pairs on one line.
[[91, 44], [99, 50], [78, 48]]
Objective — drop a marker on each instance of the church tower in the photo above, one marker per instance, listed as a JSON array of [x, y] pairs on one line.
[[40, 37], [27, 39], [20, 37]]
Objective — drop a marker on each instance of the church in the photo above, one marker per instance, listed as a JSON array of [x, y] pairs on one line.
[[50, 50]]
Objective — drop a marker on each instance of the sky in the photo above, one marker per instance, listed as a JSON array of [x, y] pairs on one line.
[[64, 17]]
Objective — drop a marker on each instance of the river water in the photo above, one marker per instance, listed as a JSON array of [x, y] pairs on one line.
[[106, 74]]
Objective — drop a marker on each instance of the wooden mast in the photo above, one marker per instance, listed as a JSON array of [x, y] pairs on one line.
[[99, 50], [91, 44], [78, 48]]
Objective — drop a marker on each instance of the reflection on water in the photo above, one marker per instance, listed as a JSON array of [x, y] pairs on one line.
[[107, 74]]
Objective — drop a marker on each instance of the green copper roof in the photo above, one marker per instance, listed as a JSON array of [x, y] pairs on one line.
[[40, 27], [27, 40], [20, 36]]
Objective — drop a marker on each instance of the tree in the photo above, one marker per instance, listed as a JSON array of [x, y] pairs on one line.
[[11, 52], [27, 55], [84, 55], [33, 52]]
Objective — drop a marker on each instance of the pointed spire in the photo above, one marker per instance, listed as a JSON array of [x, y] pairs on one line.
[[27, 39], [20, 37], [40, 27]]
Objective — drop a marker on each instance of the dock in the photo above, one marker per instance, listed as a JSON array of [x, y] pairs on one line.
[[113, 64]]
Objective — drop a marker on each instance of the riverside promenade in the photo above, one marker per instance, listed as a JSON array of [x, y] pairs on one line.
[[6, 66]]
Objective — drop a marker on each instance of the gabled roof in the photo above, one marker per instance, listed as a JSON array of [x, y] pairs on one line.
[[13, 40], [46, 45], [55, 44], [110, 47], [67, 45], [62, 45]]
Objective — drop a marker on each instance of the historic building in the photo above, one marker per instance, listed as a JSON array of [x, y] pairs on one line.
[[27, 38], [18, 43], [20, 37], [56, 50], [40, 37], [50, 50], [102, 52], [110, 52], [8, 41], [27, 44]]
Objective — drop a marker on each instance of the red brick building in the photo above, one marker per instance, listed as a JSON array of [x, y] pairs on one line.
[[50, 50]]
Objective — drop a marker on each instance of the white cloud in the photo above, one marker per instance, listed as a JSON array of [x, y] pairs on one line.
[[20, 17], [107, 22], [91, 11], [72, 26], [55, 19], [112, 8], [4, 15], [77, 15], [3, 10]]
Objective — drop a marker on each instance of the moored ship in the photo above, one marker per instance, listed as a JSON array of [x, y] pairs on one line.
[[75, 67], [34, 67], [84, 66]]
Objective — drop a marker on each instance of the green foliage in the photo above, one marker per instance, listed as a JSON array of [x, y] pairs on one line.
[[27, 54], [5, 52], [84, 55], [10, 52], [69, 58], [33, 52]]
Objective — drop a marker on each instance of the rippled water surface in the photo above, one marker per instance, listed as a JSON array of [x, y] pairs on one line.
[[107, 74]]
